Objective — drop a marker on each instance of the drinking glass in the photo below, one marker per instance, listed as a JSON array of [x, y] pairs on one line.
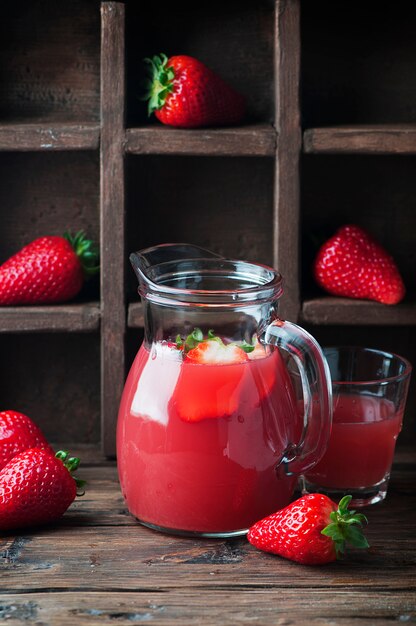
[[369, 396]]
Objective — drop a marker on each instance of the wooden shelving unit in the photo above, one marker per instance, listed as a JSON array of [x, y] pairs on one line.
[[305, 161]]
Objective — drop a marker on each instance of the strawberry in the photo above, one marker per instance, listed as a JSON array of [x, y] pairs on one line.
[[18, 433], [183, 92], [36, 487], [311, 530], [211, 391], [47, 270], [212, 352], [354, 265]]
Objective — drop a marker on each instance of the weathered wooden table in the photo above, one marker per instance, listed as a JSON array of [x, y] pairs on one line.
[[98, 566]]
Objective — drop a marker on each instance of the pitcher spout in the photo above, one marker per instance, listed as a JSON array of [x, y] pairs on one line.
[[143, 260]]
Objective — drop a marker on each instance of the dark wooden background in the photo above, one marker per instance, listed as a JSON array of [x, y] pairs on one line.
[[77, 151]]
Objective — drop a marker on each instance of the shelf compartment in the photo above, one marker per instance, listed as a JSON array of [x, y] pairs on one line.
[[50, 61], [224, 204], [360, 139], [58, 318], [48, 193], [235, 39], [368, 81], [346, 311], [49, 136], [252, 140], [375, 192], [55, 380]]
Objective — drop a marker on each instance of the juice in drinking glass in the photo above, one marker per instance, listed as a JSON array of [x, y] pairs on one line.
[[362, 443], [369, 390]]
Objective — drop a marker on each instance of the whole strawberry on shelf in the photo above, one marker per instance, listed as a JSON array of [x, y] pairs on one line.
[[18, 433], [352, 264], [312, 530], [185, 93], [48, 270], [36, 487]]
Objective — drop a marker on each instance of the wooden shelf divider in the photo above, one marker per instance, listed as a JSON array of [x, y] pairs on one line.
[[373, 139], [49, 136], [57, 318], [287, 182], [347, 312], [252, 140], [112, 199]]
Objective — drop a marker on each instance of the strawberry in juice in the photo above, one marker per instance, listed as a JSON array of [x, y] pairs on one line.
[[362, 443], [201, 435]]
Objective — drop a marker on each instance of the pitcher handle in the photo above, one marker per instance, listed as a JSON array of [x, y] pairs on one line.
[[317, 393]]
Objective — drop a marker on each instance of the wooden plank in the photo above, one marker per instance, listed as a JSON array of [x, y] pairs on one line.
[[98, 546], [67, 317], [112, 218], [380, 139], [287, 182], [132, 558], [52, 136], [252, 140], [347, 311], [212, 606], [135, 317]]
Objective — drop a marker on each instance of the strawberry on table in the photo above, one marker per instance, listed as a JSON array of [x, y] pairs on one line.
[[48, 270], [36, 487], [354, 265], [312, 530], [18, 433], [183, 92]]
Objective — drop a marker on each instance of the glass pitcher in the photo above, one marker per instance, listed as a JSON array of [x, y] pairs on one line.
[[212, 433]]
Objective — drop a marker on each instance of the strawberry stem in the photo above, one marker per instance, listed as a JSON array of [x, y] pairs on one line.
[[345, 528], [86, 251], [159, 84], [71, 463]]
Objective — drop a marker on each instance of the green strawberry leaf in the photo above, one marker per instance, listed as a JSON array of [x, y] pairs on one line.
[[86, 251], [71, 463], [345, 527], [159, 84], [197, 336], [191, 341], [247, 347]]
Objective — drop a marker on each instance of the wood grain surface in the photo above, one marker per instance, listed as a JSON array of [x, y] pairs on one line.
[[50, 61], [286, 212], [382, 139], [112, 218], [55, 136], [250, 140], [339, 311], [65, 317], [97, 564]]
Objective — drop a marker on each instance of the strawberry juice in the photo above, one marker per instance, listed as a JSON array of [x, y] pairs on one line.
[[199, 445], [362, 443]]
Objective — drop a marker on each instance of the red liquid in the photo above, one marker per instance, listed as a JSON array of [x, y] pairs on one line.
[[216, 473], [361, 447]]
